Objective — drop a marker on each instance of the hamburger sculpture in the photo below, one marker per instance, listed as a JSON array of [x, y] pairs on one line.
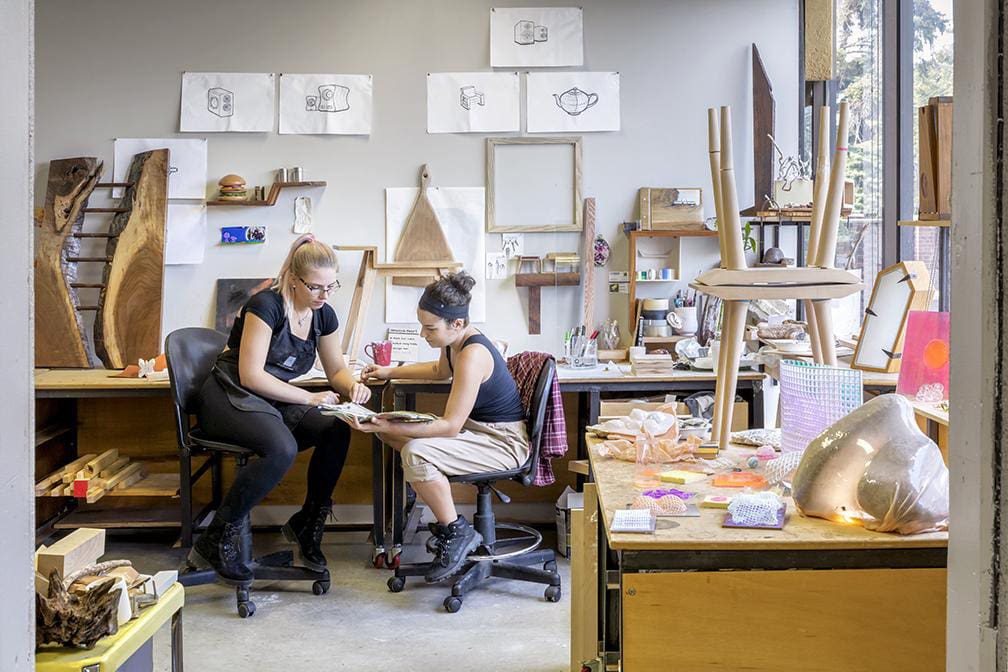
[[232, 188]]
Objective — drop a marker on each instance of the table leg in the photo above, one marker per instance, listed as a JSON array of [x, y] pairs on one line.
[[403, 401], [176, 642], [377, 486]]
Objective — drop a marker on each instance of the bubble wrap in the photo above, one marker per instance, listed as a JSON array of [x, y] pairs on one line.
[[755, 509]]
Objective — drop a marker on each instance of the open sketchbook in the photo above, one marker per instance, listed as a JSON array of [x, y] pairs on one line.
[[350, 410]]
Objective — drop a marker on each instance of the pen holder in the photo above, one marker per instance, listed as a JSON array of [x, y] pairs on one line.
[[585, 356]]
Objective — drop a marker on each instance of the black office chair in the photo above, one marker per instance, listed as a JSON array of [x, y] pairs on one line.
[[191, 353], [506, 557]]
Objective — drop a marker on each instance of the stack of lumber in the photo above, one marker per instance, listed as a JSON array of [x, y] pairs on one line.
[[652, 365], [91, 477]]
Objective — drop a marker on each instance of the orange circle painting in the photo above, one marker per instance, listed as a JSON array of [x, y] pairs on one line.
[[936, 354]]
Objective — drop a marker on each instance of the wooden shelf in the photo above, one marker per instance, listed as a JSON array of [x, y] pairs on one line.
[[50, 432], [271, 198], [944, 223], [660, 280], [674, 233]]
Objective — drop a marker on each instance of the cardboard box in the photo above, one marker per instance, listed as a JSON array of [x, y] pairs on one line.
[[569, 499]]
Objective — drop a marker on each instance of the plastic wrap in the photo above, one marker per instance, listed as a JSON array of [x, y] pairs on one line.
[[876, 468]]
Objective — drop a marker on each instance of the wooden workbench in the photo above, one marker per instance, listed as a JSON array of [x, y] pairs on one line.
[[850, 599]]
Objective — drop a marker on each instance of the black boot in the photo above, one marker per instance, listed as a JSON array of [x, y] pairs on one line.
[[305, 529], [219, 547], [435, 540], [458, 540]]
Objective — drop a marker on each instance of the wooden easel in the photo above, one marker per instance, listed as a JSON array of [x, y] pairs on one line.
[[736, 284], [356, 317]]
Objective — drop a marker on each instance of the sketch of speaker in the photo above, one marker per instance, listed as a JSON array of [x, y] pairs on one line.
[[527, 32], [220, 102], [311, 103], [333, 98]]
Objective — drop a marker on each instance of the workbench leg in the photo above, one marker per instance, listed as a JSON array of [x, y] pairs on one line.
[[176, 641]]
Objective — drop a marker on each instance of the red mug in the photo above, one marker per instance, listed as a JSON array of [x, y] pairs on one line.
[[380, 352]]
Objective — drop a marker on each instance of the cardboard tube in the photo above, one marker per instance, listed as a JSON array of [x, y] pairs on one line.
[[714, 151], [813, 331], [736, 311], [834, 197], [734, 255], [819, 188], [824, 321]]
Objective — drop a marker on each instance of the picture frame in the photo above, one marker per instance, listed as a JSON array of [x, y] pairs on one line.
[[528, 186]]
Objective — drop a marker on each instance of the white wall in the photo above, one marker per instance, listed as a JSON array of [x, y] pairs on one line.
[[111, 68], [17, 413]]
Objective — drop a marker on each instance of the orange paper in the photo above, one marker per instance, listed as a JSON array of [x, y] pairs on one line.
[[739, 479]]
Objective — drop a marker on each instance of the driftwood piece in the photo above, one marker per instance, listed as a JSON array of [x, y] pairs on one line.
[[60, 339], [76, 620], [128, 322]]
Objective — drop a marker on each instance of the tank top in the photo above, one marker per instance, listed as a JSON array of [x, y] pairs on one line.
[[497, 399]]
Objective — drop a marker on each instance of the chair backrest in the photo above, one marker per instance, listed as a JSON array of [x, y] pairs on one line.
[[537, 418], [190, 353]]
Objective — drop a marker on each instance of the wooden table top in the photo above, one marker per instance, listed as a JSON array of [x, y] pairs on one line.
[[104, 379], [567, 375], [614, 480]]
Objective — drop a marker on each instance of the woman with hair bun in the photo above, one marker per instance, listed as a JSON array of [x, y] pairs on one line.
[[248, 400], [483, 426]]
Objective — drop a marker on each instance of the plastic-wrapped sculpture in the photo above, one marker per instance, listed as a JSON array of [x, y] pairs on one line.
[[876, 468]]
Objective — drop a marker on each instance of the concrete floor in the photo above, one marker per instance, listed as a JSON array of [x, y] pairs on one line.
[[359, 624]]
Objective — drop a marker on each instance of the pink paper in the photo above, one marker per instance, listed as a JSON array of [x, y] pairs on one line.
[[924, 370]]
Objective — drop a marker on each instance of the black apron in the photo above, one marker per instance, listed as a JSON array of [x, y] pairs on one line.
[[287, 358]]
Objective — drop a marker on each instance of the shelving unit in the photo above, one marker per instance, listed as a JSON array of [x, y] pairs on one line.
[[674, 236], [271, 197]]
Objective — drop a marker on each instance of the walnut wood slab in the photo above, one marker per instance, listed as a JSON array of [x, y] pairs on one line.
[[60, 339], [128, 322]]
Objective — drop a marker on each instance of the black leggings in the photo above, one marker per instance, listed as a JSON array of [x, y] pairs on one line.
[[276, 444]]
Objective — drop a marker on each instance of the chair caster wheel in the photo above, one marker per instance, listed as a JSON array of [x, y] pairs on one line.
[[320, 587], [550, 566], [396, 584], [246, 609], [452, 604], [378, 561], [552, 593], [393, 562]]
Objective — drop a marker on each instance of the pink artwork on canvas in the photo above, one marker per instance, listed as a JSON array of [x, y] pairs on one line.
[[924, 371]]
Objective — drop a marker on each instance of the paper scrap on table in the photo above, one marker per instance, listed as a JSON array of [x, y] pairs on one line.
[[325, 104], [228, 101], [559, 102], [461, 211], [496, 266], [512, 244], [302, 214], [405, 343], [185, 233], [472, 102], [536, 36], [187, 163]]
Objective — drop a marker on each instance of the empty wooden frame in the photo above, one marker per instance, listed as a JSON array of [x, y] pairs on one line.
[[533, 185], [898, 289]]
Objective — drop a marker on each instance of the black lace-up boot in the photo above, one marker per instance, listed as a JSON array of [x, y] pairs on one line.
[[434, 541], [305, 529], [219, 547], [458, 540]]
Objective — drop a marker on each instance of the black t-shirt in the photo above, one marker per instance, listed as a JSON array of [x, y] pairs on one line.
[[268, 306]]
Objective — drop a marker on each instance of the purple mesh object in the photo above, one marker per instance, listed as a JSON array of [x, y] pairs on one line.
[[658, 493], [812, 398]]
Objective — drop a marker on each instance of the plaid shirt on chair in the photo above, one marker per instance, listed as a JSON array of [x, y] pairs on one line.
[[525, 368]]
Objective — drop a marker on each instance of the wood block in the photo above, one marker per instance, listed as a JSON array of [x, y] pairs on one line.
[[115, 467], [94, 493], [118, 478], [47, 483], [97, 464], [70, 470], [57, 491], [927, 160], [78, 549], [663, 209], [943, 157], [68, 491], [130, 480], [81, 486]]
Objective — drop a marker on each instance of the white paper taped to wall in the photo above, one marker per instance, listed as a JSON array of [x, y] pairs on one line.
[[472, 102], [536, 36], [405, 343], [325, 104], [228, 101]]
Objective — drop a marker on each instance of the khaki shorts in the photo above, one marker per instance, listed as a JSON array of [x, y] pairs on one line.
[[479, 447]]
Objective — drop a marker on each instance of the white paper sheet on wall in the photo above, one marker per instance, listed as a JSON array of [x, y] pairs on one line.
[[228, 101], [461, 213], [473, 102], [187, 163], [559, 102], [405, 343], [185, 233], [325, 104], [496, 266], [536, 36]]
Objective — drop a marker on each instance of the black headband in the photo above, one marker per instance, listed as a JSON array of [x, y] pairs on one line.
[[432, 305]]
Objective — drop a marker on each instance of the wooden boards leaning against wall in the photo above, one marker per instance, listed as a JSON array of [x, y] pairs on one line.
[[60, 340], [128, 323]]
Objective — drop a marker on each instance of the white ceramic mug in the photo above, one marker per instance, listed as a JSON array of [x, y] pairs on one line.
[[687, 319]]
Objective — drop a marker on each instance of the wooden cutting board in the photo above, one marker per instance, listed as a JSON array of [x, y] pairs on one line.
[[60, 339], [422, 237], [128, 323]]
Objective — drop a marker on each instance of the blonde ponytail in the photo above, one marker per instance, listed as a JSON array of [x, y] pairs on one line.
[[306, 253]]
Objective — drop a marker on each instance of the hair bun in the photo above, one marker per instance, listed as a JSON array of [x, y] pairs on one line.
[[462, 281]]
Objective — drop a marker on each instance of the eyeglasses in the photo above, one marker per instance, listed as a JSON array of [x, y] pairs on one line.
[[318, 290]]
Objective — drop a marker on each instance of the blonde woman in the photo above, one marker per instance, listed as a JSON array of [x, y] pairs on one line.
[[248, 400]]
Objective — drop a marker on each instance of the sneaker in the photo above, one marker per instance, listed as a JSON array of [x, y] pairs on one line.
[[219, 547], [305, 529], [458, 540]]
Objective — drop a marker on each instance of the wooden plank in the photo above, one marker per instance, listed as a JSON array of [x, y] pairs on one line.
[[869, 620], [943, 156], [422, 238], [818, 40], [152, 485], [766, 276], [118, 478], [70, 470], [584, 581], [813, 292], [114, 468], [661, 210], [74, 551], [546, 279], [763, 129], [60, 339], [588, 265], [128, 322], [49, 433], [927, 160]]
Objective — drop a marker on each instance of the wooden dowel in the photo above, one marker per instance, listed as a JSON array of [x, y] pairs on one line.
[[86, 210], [834, 197], [819, 188], [714, 150], [729, 199]]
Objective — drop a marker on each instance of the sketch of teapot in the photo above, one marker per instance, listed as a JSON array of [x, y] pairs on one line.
[[574, 101]]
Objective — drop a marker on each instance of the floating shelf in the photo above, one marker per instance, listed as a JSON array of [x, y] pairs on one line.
[[944, 223], [674, 233], [271, 198], [660, 280]]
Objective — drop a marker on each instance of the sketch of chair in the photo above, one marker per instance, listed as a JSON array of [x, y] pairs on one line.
[[468, 95], [736, 284]]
